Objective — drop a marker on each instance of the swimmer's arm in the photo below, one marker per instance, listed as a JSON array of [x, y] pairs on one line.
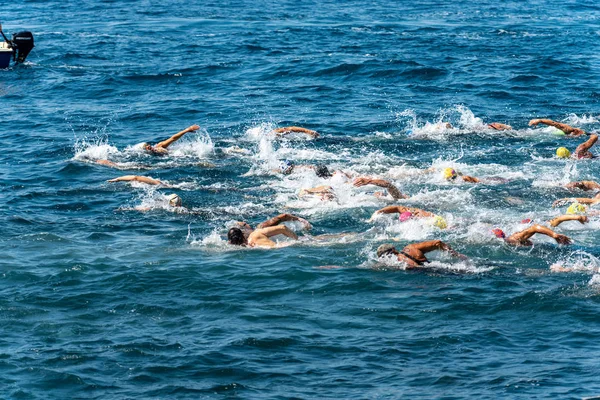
[[583, 185], [563, 218], [499, 126], [136, 178], [393, 190], [391, 210], [580, 200], [289, 129], [470, 179], [569, 130], [560, 239], [316, 190], [585, 146], [283, 218], [166, 143], [433, 245], [107, 163], [277, 230]]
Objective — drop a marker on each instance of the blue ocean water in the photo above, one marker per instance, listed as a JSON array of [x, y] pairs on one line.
[[100, 300]]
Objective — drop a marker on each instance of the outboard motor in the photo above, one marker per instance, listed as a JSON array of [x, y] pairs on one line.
[[22, 43]]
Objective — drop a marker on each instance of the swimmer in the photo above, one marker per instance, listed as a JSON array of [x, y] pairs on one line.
[[161, 147], [413, 255], [137, 178], [499, 126], [327, 193], [522, 238], [108, 163], [392, 190], [567, 129], [259, 237], [280, 132], [405, 212], [450, 174], [583, 185], [324, 192], [174, 202], [582, 151], [581, 200], [247, 229]]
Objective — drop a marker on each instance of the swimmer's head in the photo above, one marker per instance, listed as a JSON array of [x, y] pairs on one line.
[[236, 236], [174, 200], [563, 152], [286, 167], [577, 209], [499, 233], [450, 173], [405, 216], [322, 171], [386, 249], [440, 222], [558, 132]]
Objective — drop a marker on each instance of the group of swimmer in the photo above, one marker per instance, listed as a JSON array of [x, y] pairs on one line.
[[412, 255]]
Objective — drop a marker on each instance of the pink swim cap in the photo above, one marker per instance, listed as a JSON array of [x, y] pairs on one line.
[[499, 233], [405, 216]]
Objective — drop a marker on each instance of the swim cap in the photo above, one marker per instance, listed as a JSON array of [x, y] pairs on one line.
[[440, 222], [286, 167], [499, 233], [385, 249], [405, 216], [558, 132], [527, 221], [174, 200], [322, 171], [450, 173], [576, 208], [563, 152]]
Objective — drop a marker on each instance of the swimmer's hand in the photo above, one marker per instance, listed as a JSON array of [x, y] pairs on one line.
[[583, 219], [562, 239], [561, 202], [192, 128], [305, 223], [534, 122]]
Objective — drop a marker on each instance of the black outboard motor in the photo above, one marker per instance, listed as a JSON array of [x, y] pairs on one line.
[[22, 43]]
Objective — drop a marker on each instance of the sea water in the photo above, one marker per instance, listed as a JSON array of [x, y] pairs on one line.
[[101, 300]]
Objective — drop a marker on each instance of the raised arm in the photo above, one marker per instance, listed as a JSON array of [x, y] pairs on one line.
[[283, 218], [580, 200], [295, 129], [569, 130], [585, 146], [563, 218], [393, 190], [433, 245], [524, 235], [166, 143], [583, 185], [136, 178]]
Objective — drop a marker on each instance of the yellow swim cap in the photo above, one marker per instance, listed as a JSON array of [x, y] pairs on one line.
[[563, 152], [450, 173], [576, 208], [440, 222]]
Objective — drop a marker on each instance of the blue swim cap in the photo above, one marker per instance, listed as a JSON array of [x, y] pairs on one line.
[[286, 167]]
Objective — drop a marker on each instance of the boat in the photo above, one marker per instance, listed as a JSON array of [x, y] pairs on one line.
[[17, 48]]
